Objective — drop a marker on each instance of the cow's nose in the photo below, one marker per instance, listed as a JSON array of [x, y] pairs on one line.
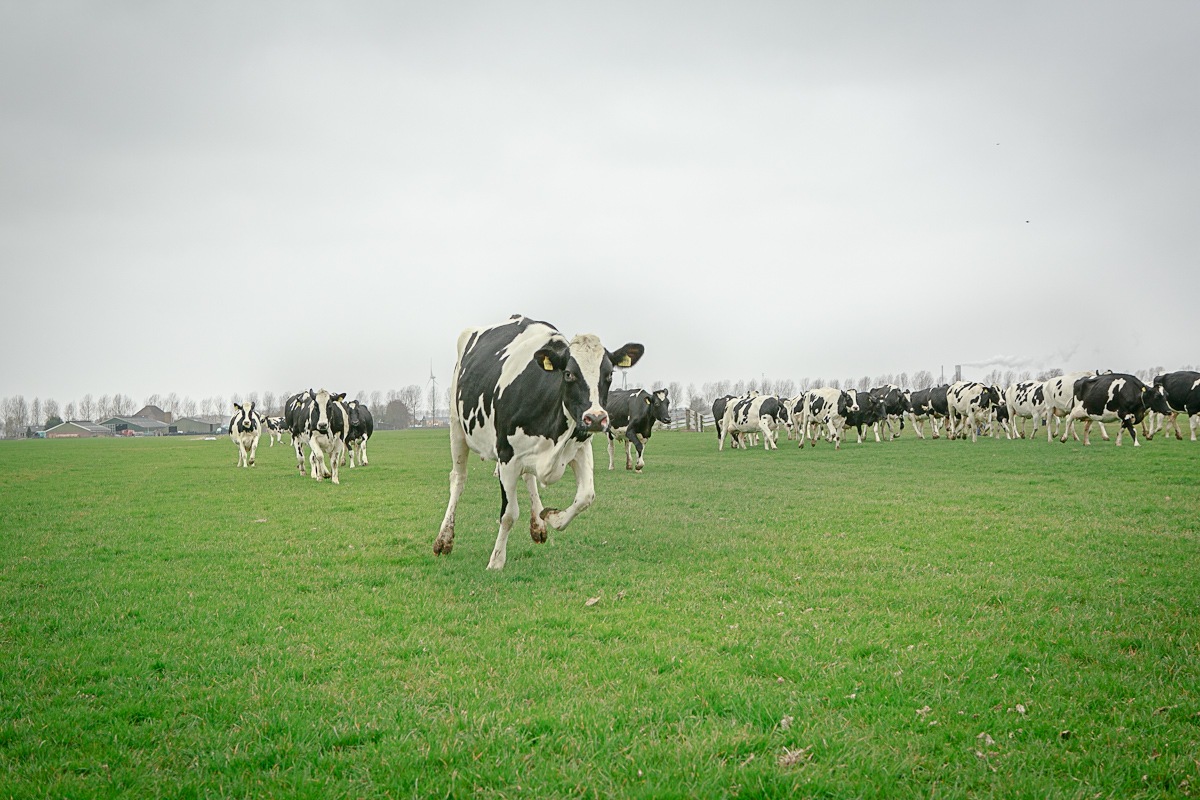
[[595, 420], [322, 428]]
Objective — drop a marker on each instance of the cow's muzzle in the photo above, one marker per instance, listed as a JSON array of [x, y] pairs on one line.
[[595, 421]]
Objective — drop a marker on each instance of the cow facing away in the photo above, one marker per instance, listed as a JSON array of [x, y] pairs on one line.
[[245, 426], [1114, 397], [274, 427], [525, 397], [631, 417], [1025, 400]]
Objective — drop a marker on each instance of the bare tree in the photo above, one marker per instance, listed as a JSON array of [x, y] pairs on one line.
[[51, 408], [410, 396], [785, 387], [922, 379], [188, 407], [154, 400], [87, 407], [104, 408], [864, 383], [834, 384], [69, 412], [35, 411], [1046, 375], [902, 380], [376, 403], [804, 385]]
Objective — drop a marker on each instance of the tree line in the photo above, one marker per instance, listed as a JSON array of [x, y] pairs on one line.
[[400, 408]]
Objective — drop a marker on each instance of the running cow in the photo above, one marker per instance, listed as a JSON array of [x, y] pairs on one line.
[[826, 407], [1115, 397], [1025, 400], [525, 397], [753, 414], [969, 403], [928, 404], [244, 429], [631, 417]]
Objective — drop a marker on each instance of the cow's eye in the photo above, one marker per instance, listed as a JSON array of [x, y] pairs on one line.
[[569, 376]]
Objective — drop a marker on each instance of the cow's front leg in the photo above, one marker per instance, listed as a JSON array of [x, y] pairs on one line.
[[610, 451], [339, 455], [253, 450], [639, 444], [585, 490], [509, 511], [537, 526], [298, 443], [459, 451]]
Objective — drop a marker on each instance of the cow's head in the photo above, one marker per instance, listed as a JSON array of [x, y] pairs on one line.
[[1155, 399], [851, 401], [989, 397], [247, 419], [319, 416], [586, 370], [660, 406]]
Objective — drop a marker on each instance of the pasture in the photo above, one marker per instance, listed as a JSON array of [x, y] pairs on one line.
[[906, 619]]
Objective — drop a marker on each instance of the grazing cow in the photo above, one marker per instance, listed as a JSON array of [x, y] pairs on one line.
[[631, 417], [928, 404], [1025, 400], [969, 403], [274, 426], [321, 421], [245, 426], [525, 397], [895, 406], [1115, 397], [1182, 390], [870, 413], [1059, 395], [829, 408], [362, 426], [753, 414]]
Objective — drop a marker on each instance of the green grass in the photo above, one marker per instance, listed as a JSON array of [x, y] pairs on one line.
[[908, 619]]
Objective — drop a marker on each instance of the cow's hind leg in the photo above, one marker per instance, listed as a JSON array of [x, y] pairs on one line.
[[459, 451], [509, 511], [585, 491], [537, 526], [610, 451]]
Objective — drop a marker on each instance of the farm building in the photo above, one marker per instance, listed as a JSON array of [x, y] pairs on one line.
[[142, 426], [154, 412], [77, 430], [205, 425]]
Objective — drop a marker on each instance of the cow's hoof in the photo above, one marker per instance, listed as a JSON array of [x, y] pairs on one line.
[[537, 532], [546, 512], [442, 548]]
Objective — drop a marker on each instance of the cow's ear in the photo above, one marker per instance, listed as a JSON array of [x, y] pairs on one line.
[[649, 401], [554, 356], [340, 397], [626, 356], [238, 407]]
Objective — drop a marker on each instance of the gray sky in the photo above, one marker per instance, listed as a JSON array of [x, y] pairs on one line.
[[218, 198]]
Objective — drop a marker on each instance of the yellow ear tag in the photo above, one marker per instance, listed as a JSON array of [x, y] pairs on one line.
[[647, 401], [546, 364], [625, 362]]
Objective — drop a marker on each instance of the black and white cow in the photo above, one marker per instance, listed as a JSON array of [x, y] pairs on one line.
[[895, 406], [275, 428], [321, 421], [525, 397], [1115, 397], [1059, 394], [631, 417], [245, 426], [362, 427], [1025, 400], [969, 404], [718, 409], [928, 404], [870, 413], [751, 415], [1001, 417], [1182, 390], [826, 407]]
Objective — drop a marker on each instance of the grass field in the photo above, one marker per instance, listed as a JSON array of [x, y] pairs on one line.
[[908, 619]]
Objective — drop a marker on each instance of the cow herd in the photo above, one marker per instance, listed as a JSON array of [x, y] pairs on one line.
[[966, 408], [332, 428], [529, 399]]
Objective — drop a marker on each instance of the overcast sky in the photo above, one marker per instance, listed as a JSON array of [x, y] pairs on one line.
[[217, 198]]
